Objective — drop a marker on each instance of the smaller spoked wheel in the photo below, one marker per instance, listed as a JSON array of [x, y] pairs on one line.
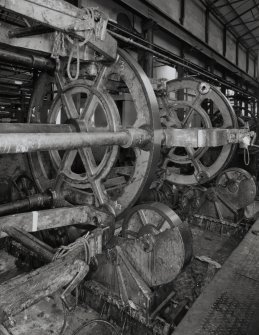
[[196, 104], [236, 187], [154, 218], [166, 242]]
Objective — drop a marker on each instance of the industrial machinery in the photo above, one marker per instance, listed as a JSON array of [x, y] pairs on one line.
[[91, 158]]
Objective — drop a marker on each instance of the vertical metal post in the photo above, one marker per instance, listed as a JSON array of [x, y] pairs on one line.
[[237, 52], [247, 60], [182, 12], [207, 24], [225, 41], [148, 29]]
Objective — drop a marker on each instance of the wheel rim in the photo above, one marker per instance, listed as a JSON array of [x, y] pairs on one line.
[[221, 116], [127, 71], [161, 218]]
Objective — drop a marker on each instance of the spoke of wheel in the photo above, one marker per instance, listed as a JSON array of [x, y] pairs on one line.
[[69, 105], [142, 217], [161, 224], [99, 79], [196, 162], [66, 98], [88, 159], [59, 82], [90, 167], [89, 108], [172, 114], [172, 150], [195, 103], [67, 160], [227, 176], [131, 233]]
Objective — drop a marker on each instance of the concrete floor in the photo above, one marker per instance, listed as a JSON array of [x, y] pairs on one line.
[[229, 305]]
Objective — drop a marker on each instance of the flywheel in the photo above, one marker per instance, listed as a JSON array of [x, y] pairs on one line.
[[106, 176]]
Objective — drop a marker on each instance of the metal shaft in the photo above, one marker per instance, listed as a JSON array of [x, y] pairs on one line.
[[31, 61], [34, 201], [31, 138], [13, 128], [31, 142]]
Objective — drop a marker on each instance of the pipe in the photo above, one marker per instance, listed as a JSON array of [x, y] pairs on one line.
[[31, 61], [30, 242], [173, 59], [32, 202], [12, 143]]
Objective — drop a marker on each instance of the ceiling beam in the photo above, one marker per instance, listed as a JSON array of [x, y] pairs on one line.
[[241, 14], [228, 4]]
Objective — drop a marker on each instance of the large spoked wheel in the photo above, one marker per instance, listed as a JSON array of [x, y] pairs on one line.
[[109, 176], [191, 104]]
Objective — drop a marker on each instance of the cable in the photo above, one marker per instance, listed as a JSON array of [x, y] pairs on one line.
[[87, 323]]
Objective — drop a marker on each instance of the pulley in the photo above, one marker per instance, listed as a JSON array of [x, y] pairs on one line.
[[195, 104], [155, 232], [101, 173], [223, 203]]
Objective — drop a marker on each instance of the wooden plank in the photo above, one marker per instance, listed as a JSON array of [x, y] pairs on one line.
[[42, 43], [60, 16], [53, 218], [39, 43], [24, 291]]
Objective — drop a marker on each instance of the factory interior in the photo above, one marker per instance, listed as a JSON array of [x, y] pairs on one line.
[[129, 167]]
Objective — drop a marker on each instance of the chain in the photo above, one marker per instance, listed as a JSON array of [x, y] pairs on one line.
[[213, 220]]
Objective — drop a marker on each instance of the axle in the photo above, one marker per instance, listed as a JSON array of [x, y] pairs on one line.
[[21, 138]]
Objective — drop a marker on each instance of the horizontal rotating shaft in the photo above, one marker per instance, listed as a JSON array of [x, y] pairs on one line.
[[21, 138]]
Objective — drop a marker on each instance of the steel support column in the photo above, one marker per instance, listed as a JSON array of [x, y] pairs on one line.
[[237, 52], [207, 24], [148, 30], [225, 41], [182, 13]]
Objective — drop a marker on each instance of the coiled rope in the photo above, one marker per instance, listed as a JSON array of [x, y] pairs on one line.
[[92, 22]]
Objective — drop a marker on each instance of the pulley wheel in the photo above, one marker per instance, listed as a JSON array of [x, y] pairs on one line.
[[196, 104], [156, 218], [91, 103], [237, 187]]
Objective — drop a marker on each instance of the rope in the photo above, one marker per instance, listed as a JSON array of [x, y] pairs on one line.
[[64, 250], [246, 156], [75, 44], [91, 21]]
